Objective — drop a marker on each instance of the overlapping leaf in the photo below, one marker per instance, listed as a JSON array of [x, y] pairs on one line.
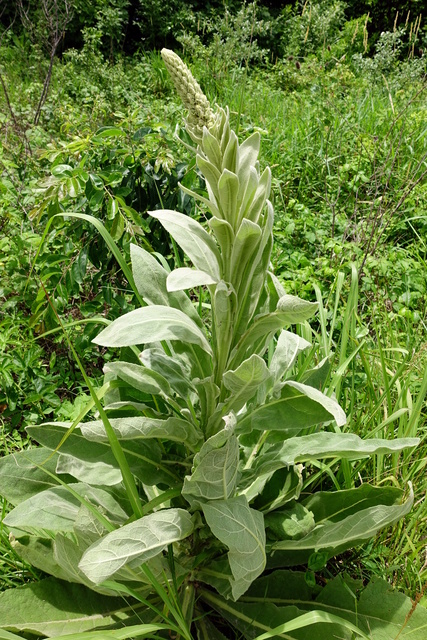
[[172, 428], [152, 324], [193, 239], [215, 469], [135, 543], [241, 529]]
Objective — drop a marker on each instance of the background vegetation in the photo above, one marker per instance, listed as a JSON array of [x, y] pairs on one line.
[[87, 119]]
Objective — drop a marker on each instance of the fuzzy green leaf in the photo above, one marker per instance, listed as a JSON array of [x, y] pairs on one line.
[[295, 309], [291, 523], [171, 368], [380, 611], [228, 189], [138, 377], [186, 278], [135, 543], [289, 345], [322, 445], [244, 382], [21, 479], [56, 509], [54, 608], [89, 461], [215, 470], [152, 324], [193, 240], [261, 195], [172, 428], [241, 529], [150, 281], [298, 407], [335, 537]]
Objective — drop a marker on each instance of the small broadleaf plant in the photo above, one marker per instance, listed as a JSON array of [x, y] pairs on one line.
[[173, 504]]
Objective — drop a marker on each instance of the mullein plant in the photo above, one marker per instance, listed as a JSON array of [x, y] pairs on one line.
[[166, 511]]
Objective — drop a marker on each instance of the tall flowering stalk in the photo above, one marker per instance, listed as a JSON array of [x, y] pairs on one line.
[[215, 433]]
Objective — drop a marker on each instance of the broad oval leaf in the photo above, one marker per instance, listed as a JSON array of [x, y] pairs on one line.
[[171, 368], [138, 377], [56, 509], [89, 461], [172, 428], [294, 309], [186, 278], [298, 407], [150, 281], [215, 470], [54, 607], [135, 543], [152, 324], [335, 537], [241, 529], [22, 474], [244, 382], [193, 240]]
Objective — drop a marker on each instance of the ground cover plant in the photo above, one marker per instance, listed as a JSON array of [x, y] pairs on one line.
[[200, 439]]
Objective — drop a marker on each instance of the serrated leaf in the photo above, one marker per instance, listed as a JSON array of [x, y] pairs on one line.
[[241, 529], [152, 324], [186, 278], [135, 543], [193, 240]]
